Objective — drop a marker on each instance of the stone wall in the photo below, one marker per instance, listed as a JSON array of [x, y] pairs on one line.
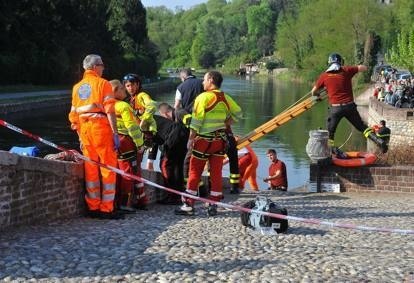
[[375, 178], [35, 190], [399, 120]]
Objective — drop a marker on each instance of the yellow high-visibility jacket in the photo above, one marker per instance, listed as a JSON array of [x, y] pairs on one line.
[[144, 108], [211, 111], [127, 123]]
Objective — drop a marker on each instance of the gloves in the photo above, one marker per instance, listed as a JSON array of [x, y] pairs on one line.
[[316, 98], [116, 141]]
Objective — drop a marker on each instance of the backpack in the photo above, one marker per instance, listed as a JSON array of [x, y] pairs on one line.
[[257, 221]]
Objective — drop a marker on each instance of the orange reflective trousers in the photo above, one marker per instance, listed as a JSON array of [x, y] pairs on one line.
[[248, 166], [127, 162], [97, 144], [213, 151]]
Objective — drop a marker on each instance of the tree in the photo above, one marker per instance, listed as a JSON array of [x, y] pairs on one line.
[[127, 22], [402, 52], [335, 27]]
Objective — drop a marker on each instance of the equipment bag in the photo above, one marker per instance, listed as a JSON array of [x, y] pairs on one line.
[[25, 151], [257, 221]]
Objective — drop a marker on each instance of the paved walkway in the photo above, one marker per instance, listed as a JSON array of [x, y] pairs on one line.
[[158, 246], [19, 95]]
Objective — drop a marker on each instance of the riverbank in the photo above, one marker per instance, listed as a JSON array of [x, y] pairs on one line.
[[32, 104]]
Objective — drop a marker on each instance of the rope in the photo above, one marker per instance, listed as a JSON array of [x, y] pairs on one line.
[[350, 135]]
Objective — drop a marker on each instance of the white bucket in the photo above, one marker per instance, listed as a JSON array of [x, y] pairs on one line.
[[317, 147]]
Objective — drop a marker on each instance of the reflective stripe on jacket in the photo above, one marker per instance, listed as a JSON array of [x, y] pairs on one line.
[[127, 123], [92, 94], [211, 110]]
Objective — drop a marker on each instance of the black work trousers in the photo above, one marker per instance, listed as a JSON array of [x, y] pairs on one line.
[[233, 160], [350, 112]]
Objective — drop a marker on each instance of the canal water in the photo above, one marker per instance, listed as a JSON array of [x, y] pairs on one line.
[[261, 99]]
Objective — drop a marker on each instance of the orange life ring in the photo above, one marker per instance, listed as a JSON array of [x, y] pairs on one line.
[[355, 159]]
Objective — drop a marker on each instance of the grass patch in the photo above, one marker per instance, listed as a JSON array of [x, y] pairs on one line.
[[402, 155]]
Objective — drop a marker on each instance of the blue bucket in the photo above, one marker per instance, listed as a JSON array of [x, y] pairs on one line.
[[25, 151]]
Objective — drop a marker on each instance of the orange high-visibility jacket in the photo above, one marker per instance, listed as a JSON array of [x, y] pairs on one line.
[[91, 96]]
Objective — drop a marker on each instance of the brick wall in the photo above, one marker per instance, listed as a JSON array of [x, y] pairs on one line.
[[35, 190], [366, 179]]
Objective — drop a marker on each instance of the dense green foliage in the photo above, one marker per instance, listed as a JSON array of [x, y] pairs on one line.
[[298, 33], [401, 53], [45, 41], [218, 33]]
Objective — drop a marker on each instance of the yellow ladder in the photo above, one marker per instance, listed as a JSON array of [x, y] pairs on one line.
[[280, 119]]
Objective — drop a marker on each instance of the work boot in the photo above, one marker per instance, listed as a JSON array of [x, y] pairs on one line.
[[141, 203], [114, 215], [234, 191], [185, 209], [93, 213], [171, 200], [339, 153], [212, 210], [141, 206], [126, 209]]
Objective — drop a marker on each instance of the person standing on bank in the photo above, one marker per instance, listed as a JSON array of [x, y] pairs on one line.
[[185, 95], [131, 141], [337, 80], [187, 91], [277, 179], [92, 115], [213, 111]]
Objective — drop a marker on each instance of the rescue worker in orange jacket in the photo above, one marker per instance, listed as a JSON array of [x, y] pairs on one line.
[[131, 141], [92, 115], [213, 111], [144, 108]]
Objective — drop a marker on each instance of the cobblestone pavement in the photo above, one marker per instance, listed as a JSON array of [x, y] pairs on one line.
[[158, 246]]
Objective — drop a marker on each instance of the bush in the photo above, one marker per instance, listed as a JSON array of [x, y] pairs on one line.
[[401, 155]]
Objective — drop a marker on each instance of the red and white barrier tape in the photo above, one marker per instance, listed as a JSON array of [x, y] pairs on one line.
[[221, 204]]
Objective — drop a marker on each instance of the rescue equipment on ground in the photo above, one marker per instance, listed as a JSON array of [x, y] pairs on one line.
[[25, 151], [261, 222], [355, 159], [317, 147], [280, 119]]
